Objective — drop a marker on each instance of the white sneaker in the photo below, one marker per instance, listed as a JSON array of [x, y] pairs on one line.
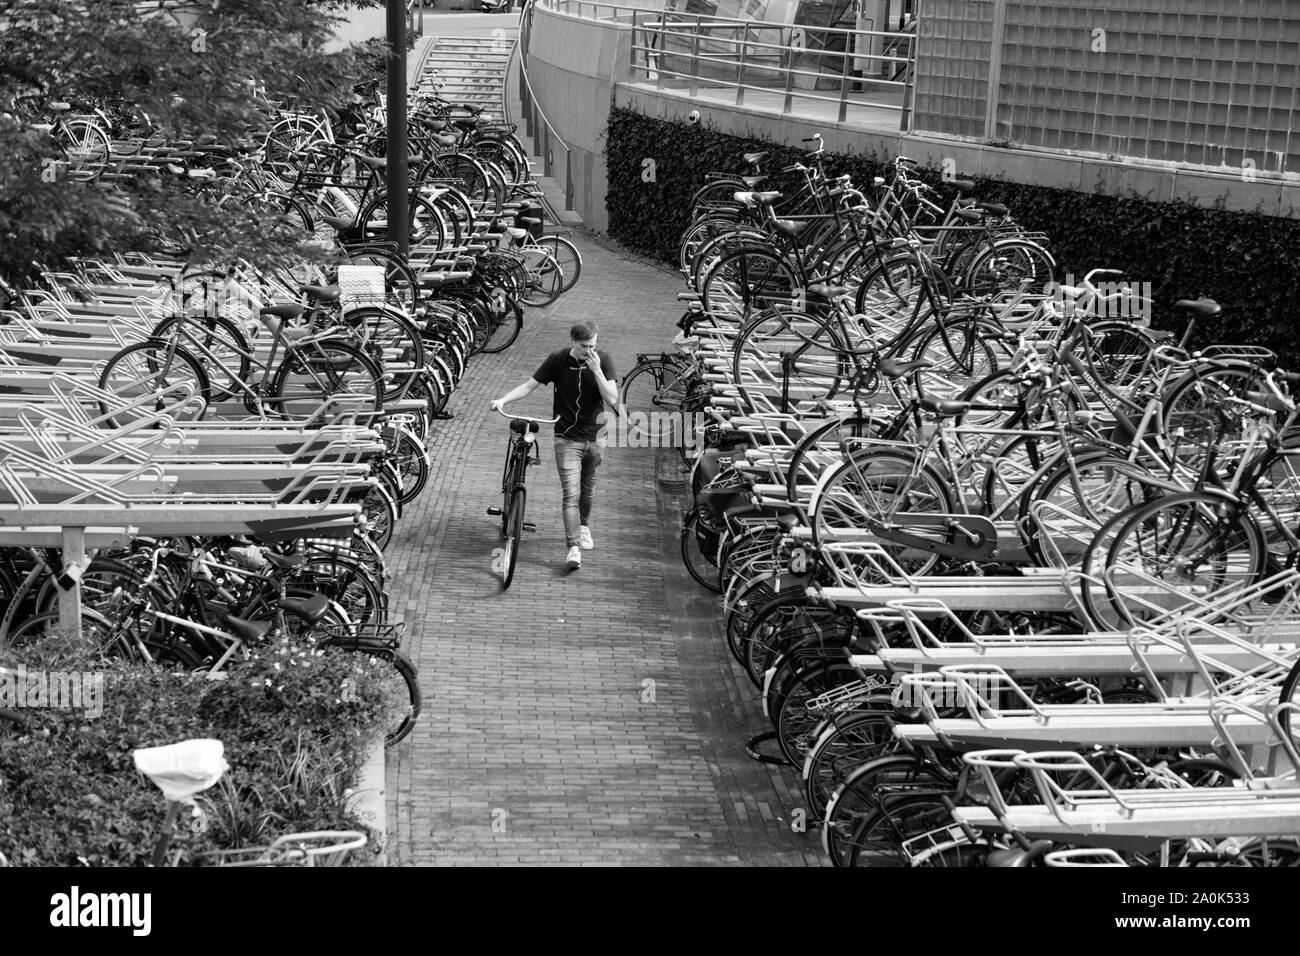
[[584, 538], [574, 559]]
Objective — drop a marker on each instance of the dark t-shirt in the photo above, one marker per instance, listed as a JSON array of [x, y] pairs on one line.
[[578, 401]]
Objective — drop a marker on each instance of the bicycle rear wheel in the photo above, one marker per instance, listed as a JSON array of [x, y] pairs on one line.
[[317, 371], [505, 324]]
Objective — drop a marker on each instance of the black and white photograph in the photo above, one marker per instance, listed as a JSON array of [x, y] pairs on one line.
[[758, 433]]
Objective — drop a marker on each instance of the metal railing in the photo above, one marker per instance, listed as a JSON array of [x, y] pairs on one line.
[[815, 66]]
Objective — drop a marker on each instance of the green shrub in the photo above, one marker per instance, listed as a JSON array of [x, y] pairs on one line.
[[297, 724], [1249, 263]]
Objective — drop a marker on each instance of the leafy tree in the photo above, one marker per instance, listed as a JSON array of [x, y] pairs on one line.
[[192, 67]]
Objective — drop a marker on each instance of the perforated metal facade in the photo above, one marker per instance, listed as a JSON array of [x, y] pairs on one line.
[[1214, 83]]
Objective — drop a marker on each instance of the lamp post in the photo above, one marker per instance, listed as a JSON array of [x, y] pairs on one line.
[[399, 231]]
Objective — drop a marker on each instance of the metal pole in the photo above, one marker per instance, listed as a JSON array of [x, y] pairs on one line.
[[74, 553], [399, 230], [740, 67], [695, 58]]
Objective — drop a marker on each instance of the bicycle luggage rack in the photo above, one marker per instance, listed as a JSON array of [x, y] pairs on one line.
[[384, 635], [1171, 722], [1104, 815]]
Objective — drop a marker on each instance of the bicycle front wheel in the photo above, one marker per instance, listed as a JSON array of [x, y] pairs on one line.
[[514, 534], [1180, 547], [151, 377], [545, 278], [747, 281], [568, 258], [651, 401]]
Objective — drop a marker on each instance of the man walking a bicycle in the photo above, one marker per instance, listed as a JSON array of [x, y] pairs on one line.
[[585, 382]]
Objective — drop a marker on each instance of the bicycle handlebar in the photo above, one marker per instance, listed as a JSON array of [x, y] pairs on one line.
[[524, 418]]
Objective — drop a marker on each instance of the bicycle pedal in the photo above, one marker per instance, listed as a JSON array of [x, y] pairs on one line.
[[529, 526], [495, 512]]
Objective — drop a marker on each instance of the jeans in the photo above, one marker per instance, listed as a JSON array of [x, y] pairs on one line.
[[577, 462]]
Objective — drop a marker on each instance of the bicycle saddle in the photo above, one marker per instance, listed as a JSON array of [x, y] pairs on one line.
[[754, 158], [962, 185], [790, 227], [993, 208], [1018, 856], [310, 605], [285, 562], [247, 631], [968, 215], [753, 182], [897, 368], [787, 523], [289, 310], [944, 407], [322, 293], [828, 291], [445, 139], [1202, 306]]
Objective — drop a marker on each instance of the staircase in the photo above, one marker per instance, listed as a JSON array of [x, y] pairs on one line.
[[468, 69]]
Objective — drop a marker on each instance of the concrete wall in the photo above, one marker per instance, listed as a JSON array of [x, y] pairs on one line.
[[572, 66]]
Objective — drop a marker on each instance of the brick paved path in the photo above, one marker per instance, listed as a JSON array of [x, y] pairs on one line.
[[537, 743]]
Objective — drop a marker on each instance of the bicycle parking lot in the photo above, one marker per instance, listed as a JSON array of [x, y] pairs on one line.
[[910, 548]]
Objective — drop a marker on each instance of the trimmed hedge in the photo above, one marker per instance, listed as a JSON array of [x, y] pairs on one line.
[[297, 724], [1249, 263]]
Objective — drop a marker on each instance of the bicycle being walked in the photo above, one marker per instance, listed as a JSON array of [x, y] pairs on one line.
[[585, 382]]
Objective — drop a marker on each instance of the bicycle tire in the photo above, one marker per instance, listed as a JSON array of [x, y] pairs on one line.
[[514, 534], [545, 279], [815, 369], [877, 840], [860, 793], [566, 255], [749, 281], [328, 367], [792, 719], [699, 546], [227, 344], [899, 483], [847, 741], [405, 669], [504, 328], [101, 630], [152, 368], [1190, 521]]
